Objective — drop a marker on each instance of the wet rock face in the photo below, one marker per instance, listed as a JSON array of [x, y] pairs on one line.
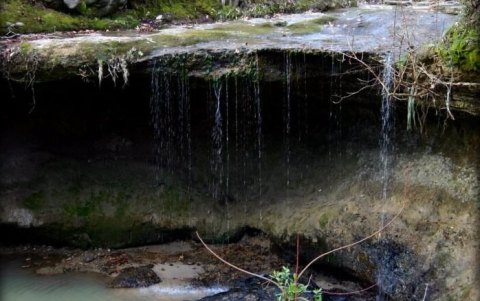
[[395, 264], [134, 277]]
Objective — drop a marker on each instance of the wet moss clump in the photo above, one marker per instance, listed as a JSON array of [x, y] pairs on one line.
[[461, 48], [175, 9], [309, 26]]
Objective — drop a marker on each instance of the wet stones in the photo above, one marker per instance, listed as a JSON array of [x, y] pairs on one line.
[[134, 277]]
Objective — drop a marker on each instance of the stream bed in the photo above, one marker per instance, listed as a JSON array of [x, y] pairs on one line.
[[18, 283]]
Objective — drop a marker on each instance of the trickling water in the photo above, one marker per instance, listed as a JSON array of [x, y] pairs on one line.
[[217, 143], [258, 106], [156, 120], [244, 158], [227, 149], [386, 149], [387, 126], [305, 97], [335, 109], [185, 88], [287, 119], [171, 122]]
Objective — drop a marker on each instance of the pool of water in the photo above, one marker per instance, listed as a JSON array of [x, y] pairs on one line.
[[19, 284]]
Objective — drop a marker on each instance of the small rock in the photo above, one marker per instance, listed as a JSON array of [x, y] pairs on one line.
[[48, 271], [134, 277], [280, 24], [88, 257]]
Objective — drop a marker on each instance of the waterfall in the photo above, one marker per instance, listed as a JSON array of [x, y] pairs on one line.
[[386, 146], [335, 109], [287, 117], [386, 150], [155, 122], [171, 123], [163, 131], [217, 143], [258, 106]]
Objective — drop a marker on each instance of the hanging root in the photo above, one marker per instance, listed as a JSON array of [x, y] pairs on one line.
[[100, 72], [117, 66], [411, 108]]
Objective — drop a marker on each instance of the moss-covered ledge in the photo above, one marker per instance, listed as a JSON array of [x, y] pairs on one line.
[[54, 57]]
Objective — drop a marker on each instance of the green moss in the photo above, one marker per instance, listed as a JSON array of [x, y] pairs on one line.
[[461, 48], [323, 220], [177, 9], [195, 36], [80, 209], [244, 28], [35, 201], [309, 26], [25, 48], [175, 202], [121, 202], [106, 51]]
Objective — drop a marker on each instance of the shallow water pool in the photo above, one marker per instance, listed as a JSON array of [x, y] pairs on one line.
[[18, 284]]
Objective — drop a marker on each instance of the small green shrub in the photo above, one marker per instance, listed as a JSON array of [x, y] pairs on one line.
[[290, 288]]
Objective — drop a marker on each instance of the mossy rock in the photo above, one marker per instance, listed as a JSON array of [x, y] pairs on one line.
[[309, 26], [461, 48]]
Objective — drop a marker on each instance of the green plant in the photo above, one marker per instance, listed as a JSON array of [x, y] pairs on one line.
[[291, 288], [461, 48]]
